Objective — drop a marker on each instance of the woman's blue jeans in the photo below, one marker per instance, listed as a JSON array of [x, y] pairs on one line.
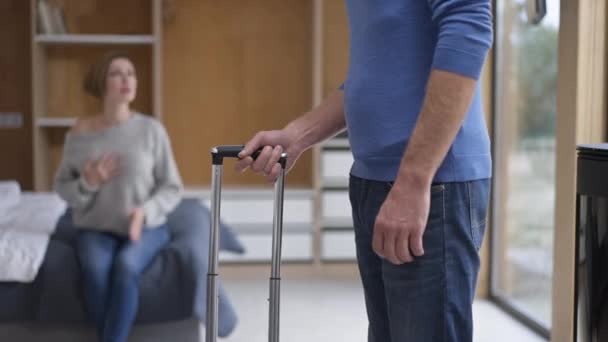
[[111, 266]]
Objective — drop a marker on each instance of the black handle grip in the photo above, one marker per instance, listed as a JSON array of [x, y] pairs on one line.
[[218, 154], [231, 151]]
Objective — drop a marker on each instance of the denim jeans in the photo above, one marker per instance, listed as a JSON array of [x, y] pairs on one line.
[[429, 299], [111, 266]]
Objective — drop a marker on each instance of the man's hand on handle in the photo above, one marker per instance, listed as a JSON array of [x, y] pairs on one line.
[[273, 143]]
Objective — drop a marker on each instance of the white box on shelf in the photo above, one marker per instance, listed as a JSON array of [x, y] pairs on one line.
[[235, 211], [335, 166], [295, 247], [337, 222], [336, 204], [337, 143], [266, 228], [250, 211], [255, 206]]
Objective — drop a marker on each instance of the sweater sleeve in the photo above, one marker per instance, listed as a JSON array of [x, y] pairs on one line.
[[167, 192], [70, 184], [464, 35]]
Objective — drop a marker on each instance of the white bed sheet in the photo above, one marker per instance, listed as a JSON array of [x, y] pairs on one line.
[[25, 236]]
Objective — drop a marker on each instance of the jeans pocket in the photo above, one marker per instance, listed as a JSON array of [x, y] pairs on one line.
[[478, 194], [434, 188]]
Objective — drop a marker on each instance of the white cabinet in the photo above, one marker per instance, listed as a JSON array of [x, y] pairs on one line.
[[336, 225], [258, 248], [249, 213]]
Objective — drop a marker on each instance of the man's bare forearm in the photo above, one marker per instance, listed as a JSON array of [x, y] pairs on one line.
[[323, 122], [447, 101]]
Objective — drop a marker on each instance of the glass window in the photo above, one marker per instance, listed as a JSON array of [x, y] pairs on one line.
[[524, 156]]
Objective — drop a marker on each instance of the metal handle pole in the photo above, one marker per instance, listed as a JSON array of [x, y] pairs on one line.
[[275, 273], [212, 275], [218, 154]]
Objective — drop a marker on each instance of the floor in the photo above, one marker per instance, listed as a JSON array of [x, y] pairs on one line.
[[328, 305]]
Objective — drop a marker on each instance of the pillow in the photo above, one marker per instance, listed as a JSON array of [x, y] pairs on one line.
[[191, 213], [189, 224]]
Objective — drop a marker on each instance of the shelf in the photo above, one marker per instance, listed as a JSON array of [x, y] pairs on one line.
[[337, 223], [337, 143], [258, 248], [56, 122], [265, 229], [335, 183], [49, 39]]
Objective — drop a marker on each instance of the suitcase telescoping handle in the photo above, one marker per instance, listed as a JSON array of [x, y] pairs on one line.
[[218, 154]]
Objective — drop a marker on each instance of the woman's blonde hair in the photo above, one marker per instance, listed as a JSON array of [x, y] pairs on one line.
[[95, 80]]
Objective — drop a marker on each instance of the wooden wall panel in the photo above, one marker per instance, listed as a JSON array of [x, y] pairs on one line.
[[232, 68], [487, 79], [335, 45], [15, 94], [581, 119], [67, 66]]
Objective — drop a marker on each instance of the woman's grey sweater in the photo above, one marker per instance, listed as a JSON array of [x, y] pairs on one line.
[[147, 178]]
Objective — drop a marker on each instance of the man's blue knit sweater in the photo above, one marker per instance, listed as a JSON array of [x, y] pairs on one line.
[[394, 45]]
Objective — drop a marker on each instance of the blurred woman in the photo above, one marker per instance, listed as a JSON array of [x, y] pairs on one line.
[[118, 175]]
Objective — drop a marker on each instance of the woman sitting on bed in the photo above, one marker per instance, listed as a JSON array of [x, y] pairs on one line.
[[119, 177]]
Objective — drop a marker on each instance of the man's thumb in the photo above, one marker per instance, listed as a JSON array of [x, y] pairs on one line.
[[252, 145]]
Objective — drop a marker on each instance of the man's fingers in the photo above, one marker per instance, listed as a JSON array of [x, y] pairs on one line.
[[378, 240], [252, 145], [416, 243], [274, 173], [390, 238], [243, 164], [274, 159], [402, 248], [262, 160]]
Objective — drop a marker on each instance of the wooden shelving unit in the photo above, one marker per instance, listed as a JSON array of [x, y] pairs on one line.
[[59, 62], [59, 122]]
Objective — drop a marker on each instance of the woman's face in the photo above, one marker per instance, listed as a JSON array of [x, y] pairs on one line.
[[121, 81]]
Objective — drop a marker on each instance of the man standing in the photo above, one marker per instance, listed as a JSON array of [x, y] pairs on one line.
[[419, 184]]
